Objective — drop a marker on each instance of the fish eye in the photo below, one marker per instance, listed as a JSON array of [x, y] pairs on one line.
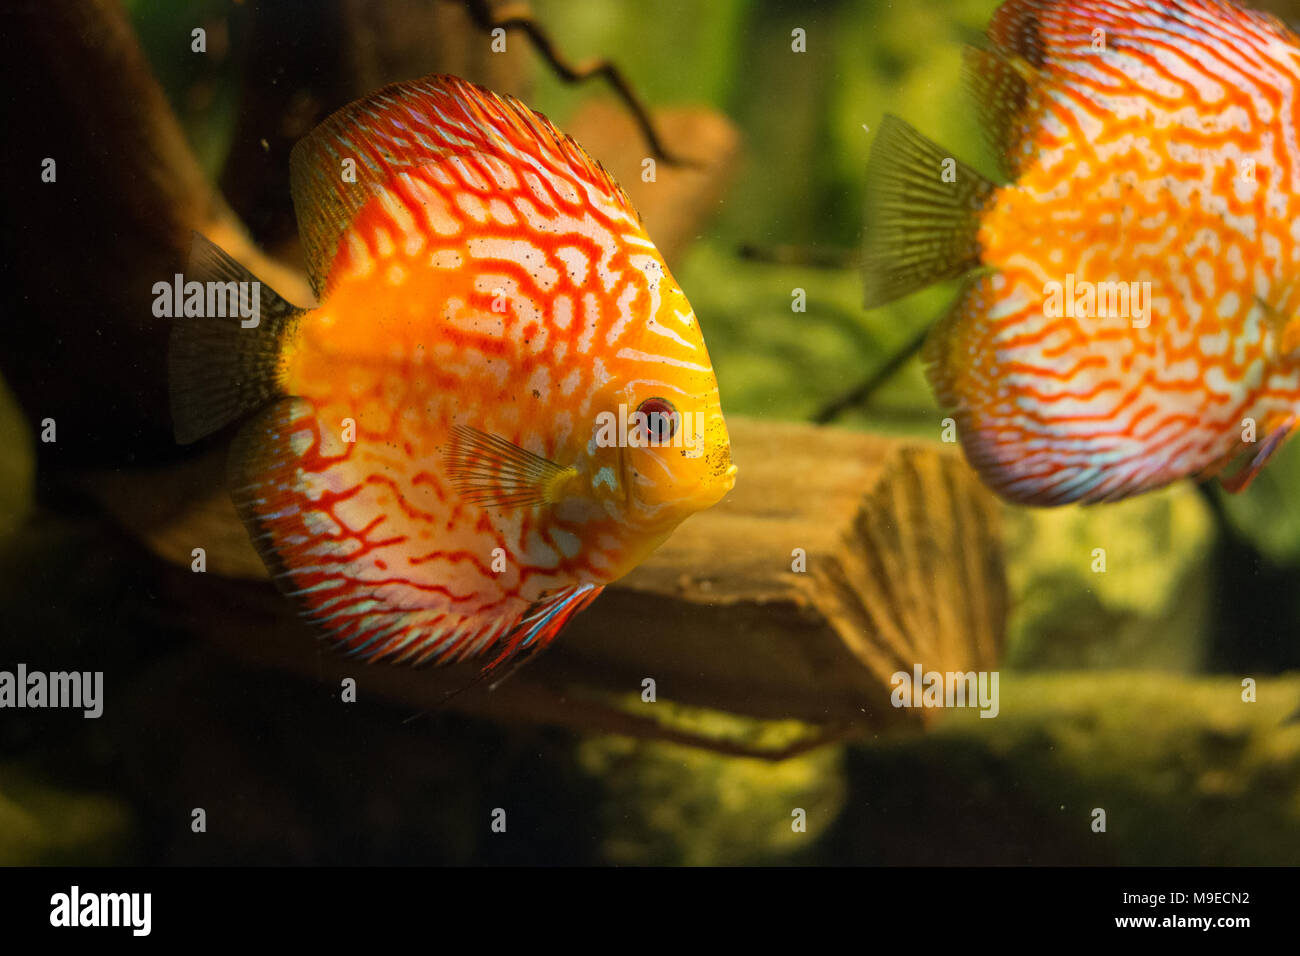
[[661, 419]]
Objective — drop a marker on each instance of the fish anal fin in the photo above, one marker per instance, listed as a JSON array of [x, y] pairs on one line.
[[493, 471], [953, 339], [542, 623], [1240, 480], [923, 211]]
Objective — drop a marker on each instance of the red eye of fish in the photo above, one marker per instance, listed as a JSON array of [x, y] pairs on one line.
[[660, 417]]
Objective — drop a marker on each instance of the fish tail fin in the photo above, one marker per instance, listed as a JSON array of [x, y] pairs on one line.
[[226, 363], [923, 211]]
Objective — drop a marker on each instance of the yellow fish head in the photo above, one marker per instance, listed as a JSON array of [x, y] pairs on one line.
[[673, 451], [682, 463]]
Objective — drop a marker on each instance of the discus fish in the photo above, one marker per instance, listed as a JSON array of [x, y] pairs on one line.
[[1129, 313], [502, 403]]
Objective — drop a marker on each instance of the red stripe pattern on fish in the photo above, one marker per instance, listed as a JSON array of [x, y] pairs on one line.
[[434, 469], [1128, 314]]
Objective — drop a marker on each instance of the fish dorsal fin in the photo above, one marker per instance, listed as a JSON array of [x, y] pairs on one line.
[[1045, 31], [1001, 77], [1036, 47], [1016, 30], [472, 134], [1002, 92]]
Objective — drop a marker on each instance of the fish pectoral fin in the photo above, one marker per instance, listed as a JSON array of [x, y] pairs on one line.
[[493, 471], [1241, 479]]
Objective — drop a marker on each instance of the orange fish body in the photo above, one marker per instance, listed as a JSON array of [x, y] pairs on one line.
[[443, 470], [1128, 317]]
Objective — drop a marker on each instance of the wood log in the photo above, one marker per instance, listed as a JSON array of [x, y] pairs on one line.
[[903, 567]]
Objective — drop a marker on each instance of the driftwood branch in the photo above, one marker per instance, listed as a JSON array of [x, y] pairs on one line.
[[517, 16], [860, 394], [675, 205], [820, 257]]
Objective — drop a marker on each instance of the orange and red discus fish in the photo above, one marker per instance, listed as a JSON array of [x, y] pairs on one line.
[[502, 403], [1129, 315]]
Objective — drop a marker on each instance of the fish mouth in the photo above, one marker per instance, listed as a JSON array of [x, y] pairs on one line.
[[723, 479], [722, 468]]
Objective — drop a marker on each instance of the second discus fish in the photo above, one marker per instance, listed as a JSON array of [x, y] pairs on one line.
[[1130, 309]]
